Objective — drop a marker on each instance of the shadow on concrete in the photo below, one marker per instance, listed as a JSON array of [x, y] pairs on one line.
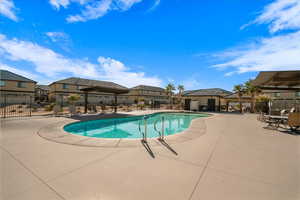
[[285, 130], [148, 149], [164, 143], [295, 132]]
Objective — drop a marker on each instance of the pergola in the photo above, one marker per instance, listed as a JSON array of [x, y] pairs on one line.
[[235, 98], [278, 80], [112, 89]]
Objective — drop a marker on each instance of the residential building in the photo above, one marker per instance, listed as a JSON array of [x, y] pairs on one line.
[[282, 87], [61, 89], [281, 95], [15, 89], [149, 94], [42, 93], [283, 99], [211, 99]]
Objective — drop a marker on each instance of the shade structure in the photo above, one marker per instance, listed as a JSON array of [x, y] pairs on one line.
[[114, 89], [278, 80]]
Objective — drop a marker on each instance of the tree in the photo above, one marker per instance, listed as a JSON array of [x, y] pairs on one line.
[[180, 93], [240, 90], [169, 90], [251, 90], [180, 89]]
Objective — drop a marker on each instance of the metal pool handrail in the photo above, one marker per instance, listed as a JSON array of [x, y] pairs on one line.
[[162, 132], [144, 134]]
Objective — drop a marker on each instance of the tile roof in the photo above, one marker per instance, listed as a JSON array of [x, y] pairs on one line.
[[148, 87], [43, 87], [207, 92], [277, 78], [235, 96], [89, 82], [7, 75]]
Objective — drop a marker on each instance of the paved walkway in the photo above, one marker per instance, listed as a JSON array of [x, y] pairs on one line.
[[236, 159]]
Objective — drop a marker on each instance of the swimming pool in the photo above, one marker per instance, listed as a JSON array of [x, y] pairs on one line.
[[132, 127]]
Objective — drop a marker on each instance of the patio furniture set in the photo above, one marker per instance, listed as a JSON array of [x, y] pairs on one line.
[[285, 120]]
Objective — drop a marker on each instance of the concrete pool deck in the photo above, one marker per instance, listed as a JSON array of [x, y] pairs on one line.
[[235, 159]]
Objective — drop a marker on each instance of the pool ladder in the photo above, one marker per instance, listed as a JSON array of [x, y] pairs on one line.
[[162, 132], [144, 134]]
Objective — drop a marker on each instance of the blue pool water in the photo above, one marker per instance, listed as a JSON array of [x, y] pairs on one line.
[[128, 127]]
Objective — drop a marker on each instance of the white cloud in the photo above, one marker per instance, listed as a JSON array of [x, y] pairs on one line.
[[57, 36], [93, 9], [52, 65], [191, 84], [58, 3], [281, 15], [7, 9], [116, 71], [280, 52], [65, 3], [45, 60], [61, 39], [275, 53]]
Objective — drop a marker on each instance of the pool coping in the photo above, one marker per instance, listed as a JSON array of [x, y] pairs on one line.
[[54, 132]]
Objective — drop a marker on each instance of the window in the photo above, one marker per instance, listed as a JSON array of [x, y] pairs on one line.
[[277, 94], [297, 94], [79, 87], [2, 83], [21, 85], [65, 86]]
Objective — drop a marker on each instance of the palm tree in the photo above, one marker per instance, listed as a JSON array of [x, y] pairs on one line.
[[180, 89], [169, 90], [252, 91], [240, 90], [180, 93]]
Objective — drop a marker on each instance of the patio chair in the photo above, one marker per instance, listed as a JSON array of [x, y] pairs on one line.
[[293, 110], [283, 112], [294, 121]]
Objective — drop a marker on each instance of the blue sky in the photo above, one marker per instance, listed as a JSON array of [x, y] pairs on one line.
[[197, 43]]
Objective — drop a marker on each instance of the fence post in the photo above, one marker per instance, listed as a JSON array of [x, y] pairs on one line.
[[4, 105], [30, 97]]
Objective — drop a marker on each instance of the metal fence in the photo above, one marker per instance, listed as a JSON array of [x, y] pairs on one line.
[[13, 105], [279, 105]]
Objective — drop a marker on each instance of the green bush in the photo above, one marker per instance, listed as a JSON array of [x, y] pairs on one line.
[[73, 98], [49, 107]]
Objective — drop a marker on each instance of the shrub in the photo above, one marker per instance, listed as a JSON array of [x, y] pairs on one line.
[[73, 98], [49, 107]]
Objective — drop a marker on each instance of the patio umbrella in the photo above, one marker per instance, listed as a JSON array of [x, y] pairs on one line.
[[270, 106]]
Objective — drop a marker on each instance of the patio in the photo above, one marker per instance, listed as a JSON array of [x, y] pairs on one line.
[[226, 162]]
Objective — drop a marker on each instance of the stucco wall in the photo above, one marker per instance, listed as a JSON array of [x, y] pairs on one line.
[[13, 85]]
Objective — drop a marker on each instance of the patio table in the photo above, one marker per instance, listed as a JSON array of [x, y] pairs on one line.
[[276, 120], [279, 117]]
